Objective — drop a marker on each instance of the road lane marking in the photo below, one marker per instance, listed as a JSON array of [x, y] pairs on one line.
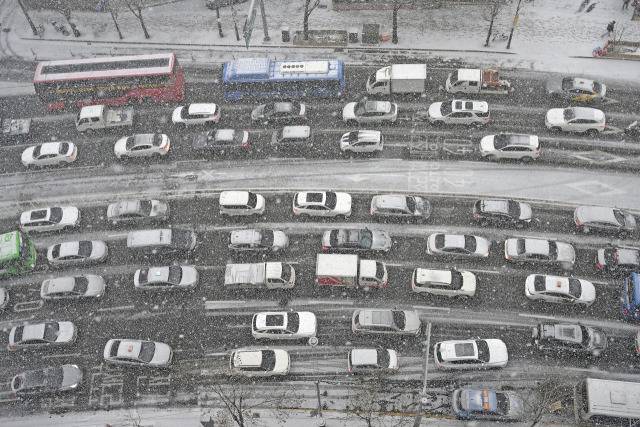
[[51, 356], [122, 307], [537, 316], [427, 307]]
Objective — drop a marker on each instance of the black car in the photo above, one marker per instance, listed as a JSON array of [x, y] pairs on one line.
[[279, 112], [501, 212], [573, 338]]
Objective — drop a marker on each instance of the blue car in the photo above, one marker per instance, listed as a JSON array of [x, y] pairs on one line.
[[487, 404], [630, 298]]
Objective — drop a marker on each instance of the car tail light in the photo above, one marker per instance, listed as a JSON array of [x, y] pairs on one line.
[[325, 248], [578, 223], [625, 311], [476, 215], [507, 256], [599, 266], [11, 347]]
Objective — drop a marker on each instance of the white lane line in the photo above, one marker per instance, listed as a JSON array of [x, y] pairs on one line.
[[319, 302], [217, 354], [51, 356], [427, 307], [537, 316], [486, 271], [122, 307], [117, 235]]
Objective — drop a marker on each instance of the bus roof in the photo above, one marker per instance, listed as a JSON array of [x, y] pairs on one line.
[[108, 67], [613, 398], [10, 246], [261, 69]]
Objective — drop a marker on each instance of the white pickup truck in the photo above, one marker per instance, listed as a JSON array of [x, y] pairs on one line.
[[269, 275], [95, 117], [475, 80]]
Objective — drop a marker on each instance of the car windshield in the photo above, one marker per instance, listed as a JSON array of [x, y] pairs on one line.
[[157, 139], [575, 289], [399, 318], [84, 248], [266, 238], [147, 350], [597, 87], [513, 209], [63, 148], [81, 285], [520, 246], [411, 203], [439, 241], [568, 114], [293, 321], [145, 207], [483, 351], [366, 238], [252, 201], [175, 274], [567, 83], [619, 216], [130, 142], [380, 270], [501, 140], [456, 280], [553, 250], [51, 330], [286, 273], [586, 336], [268, 360], [181, 238], [56, 215], [470, 243], [331, 199], [383, 357], [445, 108], [502, 404]]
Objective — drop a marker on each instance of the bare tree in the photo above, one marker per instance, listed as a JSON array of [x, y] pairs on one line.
[[308, 8], [370, 398], [394, 22], [136, 7], [492, 10], [546, 398], [113, 8]]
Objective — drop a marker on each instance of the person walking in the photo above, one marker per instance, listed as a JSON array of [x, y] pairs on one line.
[[625, 4], [610, 27]]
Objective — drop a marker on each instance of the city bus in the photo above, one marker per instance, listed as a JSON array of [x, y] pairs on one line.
[[114, 80], [260, 78], [17, 254], [607, 401]]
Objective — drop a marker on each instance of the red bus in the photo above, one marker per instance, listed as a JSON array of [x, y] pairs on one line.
[[114, 80]]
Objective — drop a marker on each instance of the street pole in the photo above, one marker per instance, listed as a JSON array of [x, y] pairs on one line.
[[394, 24], [321, 421], [423, 394], [26, 15], [514, 23], [264, 22], [219, 23], [234, 15]]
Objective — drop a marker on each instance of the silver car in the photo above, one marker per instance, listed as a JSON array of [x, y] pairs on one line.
[[134, 352], [487, 404], [259, 362], [400, 206], [38, 335], [53, 218], [458, 245], [47, 380], [166, 278], [356, 240], [138, 211], [72, 287], [77, 252], [604, 219], [540, 251], [255, 240], [384, 321], [49, 154]]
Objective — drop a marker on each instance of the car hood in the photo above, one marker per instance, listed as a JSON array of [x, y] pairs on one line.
[[95, 285], [121, 145], [434, 110], [308, 324], [525, 211], [588, 293], [555, 116], [486, 143], [468, 281], [326, 239], [381, 240], [175, 116], [280, 239], [412, 321], [67, 332], [71, 376], [497, 351], [393, 359], [482, 246], [553, 85], [27, 154], [162, 355], [99, 249], [189, 276], [343, 203], [349, 111], [303, 110], [566, 253], [70, 215]]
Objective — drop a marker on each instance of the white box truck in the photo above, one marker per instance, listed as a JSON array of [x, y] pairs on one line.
[[398, 79], [269, 275], [95, 117], [351, 271], [476, 80]]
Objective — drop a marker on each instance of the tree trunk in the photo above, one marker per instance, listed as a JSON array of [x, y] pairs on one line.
[[115, 22], [305, 22], [486, 43], [144, 27], [394, 32]]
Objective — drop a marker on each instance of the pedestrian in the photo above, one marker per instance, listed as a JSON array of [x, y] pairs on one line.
[[625, 4], [610, 27]]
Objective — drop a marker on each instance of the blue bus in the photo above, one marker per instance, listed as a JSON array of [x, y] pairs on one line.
[[256, 78]]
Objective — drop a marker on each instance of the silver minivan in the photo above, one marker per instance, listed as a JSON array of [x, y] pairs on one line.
[[162, 240]]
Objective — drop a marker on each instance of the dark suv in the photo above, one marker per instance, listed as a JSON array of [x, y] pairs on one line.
[[569, 338], [501, 212]]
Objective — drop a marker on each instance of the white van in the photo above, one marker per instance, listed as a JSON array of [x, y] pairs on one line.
[[241, 203], [162, 240], [597, 400]]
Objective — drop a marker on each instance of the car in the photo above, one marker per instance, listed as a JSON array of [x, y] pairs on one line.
[[322, 203], [356, 239], [141, 210], [279, 112], [449, 283], [134, 352], [166, 278], [385, 321], [540, 251], [569, 337], [618, 259], [604, 219], [46, 380], [45, 334], [577, 89], [630, 297], [576, 119], [400, 206], [162, 241], [636, 344], [459, 112], [196, 114], [4, 299], [299, 137], [470, 354], [372, 360], [514, 146], [221, 140], [142, 145], [77, 252], [365, 111], [72, 287], [458, 245], [487, 404], [254, 240], [50, 154], [501, 212], [362, 141], [55, 218], [284, 325], [249, 362], [559, 289], [241, 203]]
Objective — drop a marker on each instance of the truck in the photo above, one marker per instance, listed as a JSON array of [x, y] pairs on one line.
[[96, 117], [269, 275], [398, 79], [476, 80], [350, 271], [13, 129]]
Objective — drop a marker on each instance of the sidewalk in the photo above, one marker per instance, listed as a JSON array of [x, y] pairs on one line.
[[551, 36]]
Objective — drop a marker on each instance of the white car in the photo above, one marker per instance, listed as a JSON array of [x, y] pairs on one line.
[[462, 245], [50, 153], [371, 360], [259, 362], [166, 278], [284, 325], [510, 146], [196, 114], [142, 145], [449, 283], [362, 141], [385, 321], [72, 287], [241, 203], [138, 353], [576, 119], [540, 251], [54, 218], [365, 111], [470, 354], [4, 299], [37, 335], [322, 203], [137, 210], [77, 252], [459, 112], [48, 380], [254, 240], [559, 289]]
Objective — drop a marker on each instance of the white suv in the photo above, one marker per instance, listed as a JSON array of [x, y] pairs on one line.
[[362, 141], [322, 203], [241, 203], [576, 119], [510, 146], [459, 112], [196, 114], [55, 218]]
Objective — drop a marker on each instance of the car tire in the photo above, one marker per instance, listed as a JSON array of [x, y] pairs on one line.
[[352, 122], [519, 225], [556, 129], [491, 158], [592, 133], [526, 159], [438, 123]]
